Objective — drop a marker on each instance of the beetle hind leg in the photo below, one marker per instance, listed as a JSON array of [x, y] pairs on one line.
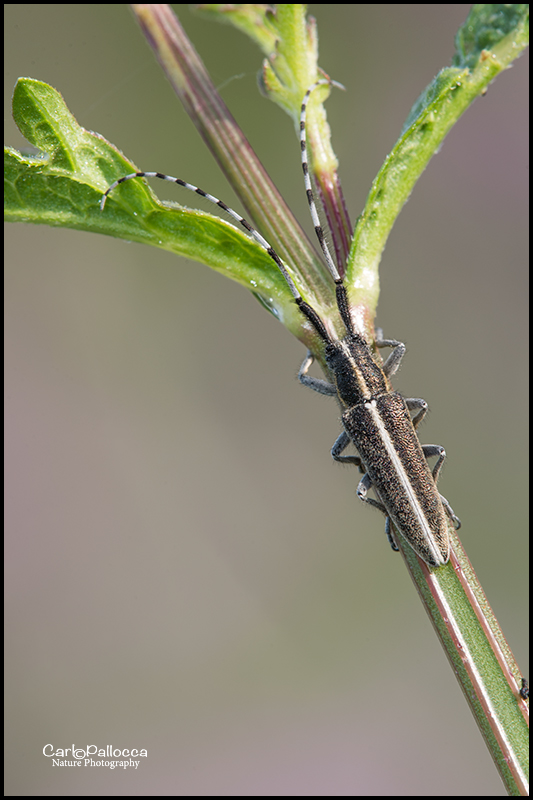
[[450, 512], [365, 484], [430, 450], [390, 537], [362, 493], [339, 446]]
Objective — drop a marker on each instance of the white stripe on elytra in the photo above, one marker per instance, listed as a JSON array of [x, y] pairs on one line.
[[404, 481]]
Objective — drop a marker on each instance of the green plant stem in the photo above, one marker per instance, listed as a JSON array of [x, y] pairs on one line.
[[480, 658], [250, 181]]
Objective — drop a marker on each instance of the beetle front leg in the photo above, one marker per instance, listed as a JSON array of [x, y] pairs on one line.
[[316, 384], [393, 361], [390, 367]]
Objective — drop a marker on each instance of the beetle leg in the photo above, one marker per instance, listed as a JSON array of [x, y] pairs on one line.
[[416, 403], [316, 384], [390, 537], [365, 484], [340, 444], [429, 451], [449, 510], [393, 361], [362, 493]]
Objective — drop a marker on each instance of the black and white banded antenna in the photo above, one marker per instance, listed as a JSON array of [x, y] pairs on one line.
[[340, 289], [332, 267], [305, 308]]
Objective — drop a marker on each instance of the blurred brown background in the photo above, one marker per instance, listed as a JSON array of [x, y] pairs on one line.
[[188, 571]]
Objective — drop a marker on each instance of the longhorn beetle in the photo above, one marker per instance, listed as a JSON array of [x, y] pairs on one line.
[[376, 420]]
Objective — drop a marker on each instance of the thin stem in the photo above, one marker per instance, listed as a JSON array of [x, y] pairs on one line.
[[227, 142]]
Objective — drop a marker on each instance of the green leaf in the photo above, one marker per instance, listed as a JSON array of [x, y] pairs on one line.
[[435, 112], [500, 28], [64, 187]]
